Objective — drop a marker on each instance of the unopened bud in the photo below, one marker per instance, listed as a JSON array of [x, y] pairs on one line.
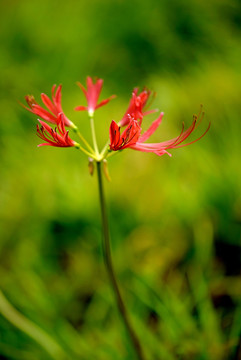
[[91, 166], [106, 171]]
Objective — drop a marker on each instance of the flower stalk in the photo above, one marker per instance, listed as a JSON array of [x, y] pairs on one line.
[[110, 269], [76, 130], [92, 125]]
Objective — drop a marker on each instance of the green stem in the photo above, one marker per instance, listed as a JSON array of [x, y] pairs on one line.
[[29, 328], [110, 269], [104, 149], [79, 147], [92, 125], [76, 130]]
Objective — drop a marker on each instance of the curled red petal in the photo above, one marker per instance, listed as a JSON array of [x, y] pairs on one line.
[[48, 103], [82, 87], [57, 98], [152, 128], [136, 106], [44, 114], [81, 108], [52, 137], [104, 102], [114, 134], [54, 106], [129, 136], [53, 90]]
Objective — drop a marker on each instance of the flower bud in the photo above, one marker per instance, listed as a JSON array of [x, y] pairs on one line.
[[91, 166], [106, 171]]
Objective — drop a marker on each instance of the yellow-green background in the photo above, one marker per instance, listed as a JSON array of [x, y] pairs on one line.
[[175, 222]]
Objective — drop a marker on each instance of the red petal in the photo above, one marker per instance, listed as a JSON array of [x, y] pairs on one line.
[[53, 90], [80, 108], [103, 102], [82, 88], [114, 134], [44, 114], [48, 103], [152, 128], [57, 98]]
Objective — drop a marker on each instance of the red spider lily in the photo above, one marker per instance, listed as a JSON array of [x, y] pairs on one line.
[[128, 138], [92, 95], [54, 107], [136, 105], [50, 135], [161, 148]]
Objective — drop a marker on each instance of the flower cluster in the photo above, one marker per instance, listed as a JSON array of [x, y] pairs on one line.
[[131, 136]]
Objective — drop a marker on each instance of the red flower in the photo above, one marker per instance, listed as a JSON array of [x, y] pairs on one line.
[[50, 135], [92, 94], [128, 138], [138, 142], [136, 106], [54, 107]]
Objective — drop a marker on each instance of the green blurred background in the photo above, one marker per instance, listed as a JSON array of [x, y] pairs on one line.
[[175, 222]]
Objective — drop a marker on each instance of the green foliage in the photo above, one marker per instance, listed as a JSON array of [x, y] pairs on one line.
[[175, 223]]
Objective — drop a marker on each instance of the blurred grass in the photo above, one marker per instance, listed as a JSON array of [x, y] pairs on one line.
[[175, 222]]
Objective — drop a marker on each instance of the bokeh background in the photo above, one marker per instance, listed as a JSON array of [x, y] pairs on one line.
[[175, 222]]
